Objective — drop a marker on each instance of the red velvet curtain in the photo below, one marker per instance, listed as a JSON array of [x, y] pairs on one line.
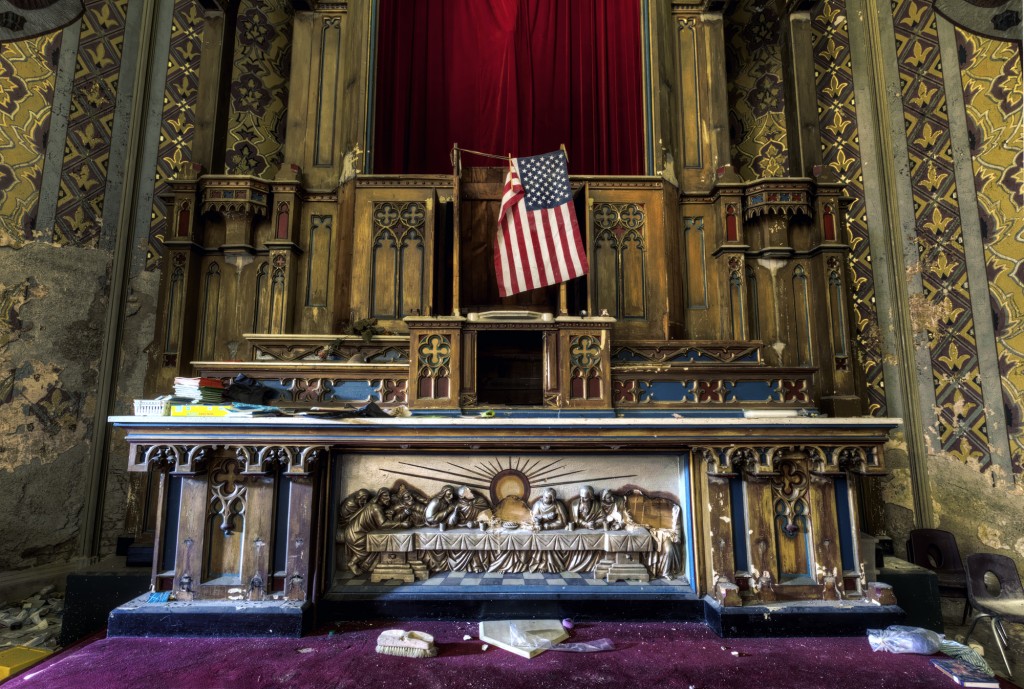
[[509, 76]]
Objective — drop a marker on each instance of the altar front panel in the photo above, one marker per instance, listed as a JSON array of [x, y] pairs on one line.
[[653, 489]]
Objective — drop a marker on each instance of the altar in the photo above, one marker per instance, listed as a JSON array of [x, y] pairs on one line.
[[682, 421], [697, 492]]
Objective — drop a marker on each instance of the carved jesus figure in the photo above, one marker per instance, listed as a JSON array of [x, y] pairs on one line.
[[441, 510]]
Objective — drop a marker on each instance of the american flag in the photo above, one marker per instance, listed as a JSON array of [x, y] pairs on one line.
[[538, 241]]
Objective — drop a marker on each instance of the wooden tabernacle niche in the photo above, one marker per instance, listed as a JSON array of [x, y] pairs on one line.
[[701, 377]]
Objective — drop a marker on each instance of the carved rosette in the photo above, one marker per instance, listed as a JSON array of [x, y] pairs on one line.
[[391, 391], [792, 390], [706, 391], [308, 389], [632, 392]]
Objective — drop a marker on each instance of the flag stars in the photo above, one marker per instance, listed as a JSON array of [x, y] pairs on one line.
[[546, 180]]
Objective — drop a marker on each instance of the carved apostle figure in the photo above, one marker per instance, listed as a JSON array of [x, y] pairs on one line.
[[613, 510], [352, 504], [411, 508], [441, 510], [370, 518], [586, 512], [473, 510], [549, 512]]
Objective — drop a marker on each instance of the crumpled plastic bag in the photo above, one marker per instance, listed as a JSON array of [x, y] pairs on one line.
[[525, 640], [899, 639]]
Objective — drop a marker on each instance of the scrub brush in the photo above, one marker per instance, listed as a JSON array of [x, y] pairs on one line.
[[398, 642]]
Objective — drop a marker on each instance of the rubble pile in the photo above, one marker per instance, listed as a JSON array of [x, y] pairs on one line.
[[34, 622]]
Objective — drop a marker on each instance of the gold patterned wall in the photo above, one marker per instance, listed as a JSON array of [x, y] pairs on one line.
[[757, 108], [90, 121], [944, 313], [991, 77], [28, 70], [259, 88], [177, 128], [840, 145]]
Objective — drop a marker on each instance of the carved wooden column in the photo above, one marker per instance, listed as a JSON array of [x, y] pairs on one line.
[[296, 469], [276, 281], [329, 92], [782, 269], [227, 293], [188, 464], [702, 130], [175, 331], [838, 384], [720, 555], [730, 246], [803, 134]]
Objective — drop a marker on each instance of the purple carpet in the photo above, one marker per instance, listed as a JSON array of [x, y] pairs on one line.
[[650, 655]]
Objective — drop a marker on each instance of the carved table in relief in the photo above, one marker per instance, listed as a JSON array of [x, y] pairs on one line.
[[610, 555]]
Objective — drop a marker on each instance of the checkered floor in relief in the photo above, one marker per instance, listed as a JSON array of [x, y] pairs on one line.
[[560, 580]]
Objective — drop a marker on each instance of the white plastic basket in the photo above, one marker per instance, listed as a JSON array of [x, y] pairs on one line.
[[152, 407]]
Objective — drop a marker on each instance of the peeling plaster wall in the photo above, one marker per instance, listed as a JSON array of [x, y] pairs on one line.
[[59, 143], [50, 358]]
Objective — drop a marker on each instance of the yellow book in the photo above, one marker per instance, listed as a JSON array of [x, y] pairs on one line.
[[200, 409], [14, 660]]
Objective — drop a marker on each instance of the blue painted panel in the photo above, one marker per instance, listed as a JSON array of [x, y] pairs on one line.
[[663, 391], [844, 520], [353, 391], [752, 391], [739, 524]]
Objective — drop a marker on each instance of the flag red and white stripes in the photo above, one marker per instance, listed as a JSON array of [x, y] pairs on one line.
[[541, 246]]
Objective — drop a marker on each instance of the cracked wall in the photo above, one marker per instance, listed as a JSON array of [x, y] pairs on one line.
[[960, 104], [58, 124]]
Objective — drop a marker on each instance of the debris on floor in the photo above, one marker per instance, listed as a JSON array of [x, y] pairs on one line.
[[411, 644], [34, 622], [526, 638]]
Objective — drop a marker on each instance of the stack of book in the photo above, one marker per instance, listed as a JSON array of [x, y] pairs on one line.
[[198, 390]]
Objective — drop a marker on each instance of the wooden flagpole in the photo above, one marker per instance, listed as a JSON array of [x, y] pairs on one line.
[[456, 251]]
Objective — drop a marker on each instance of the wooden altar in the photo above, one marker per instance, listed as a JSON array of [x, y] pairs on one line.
[[710, 345]]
